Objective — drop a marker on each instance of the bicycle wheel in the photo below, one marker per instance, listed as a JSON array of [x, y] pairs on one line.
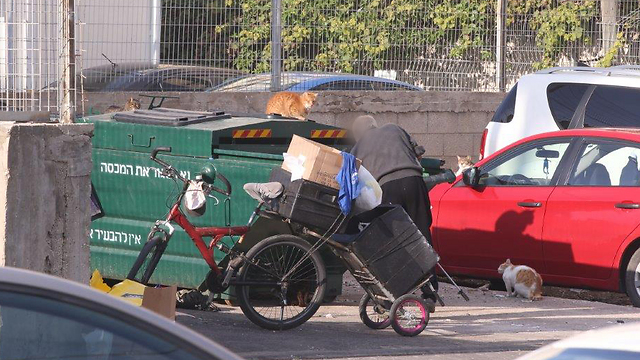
[[147, 260], [409, 315], [268, 297], [373, 315]]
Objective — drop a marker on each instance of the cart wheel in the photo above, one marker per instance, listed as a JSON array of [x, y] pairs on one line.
[[409, 315], [373, 315]]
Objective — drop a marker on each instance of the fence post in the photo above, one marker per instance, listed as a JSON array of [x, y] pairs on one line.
[[501, 44], [276, 44], [609, 10], [156, 30], [66, 54]]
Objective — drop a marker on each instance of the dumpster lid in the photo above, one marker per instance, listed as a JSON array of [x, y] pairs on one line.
[[169, 117], [208, 132]]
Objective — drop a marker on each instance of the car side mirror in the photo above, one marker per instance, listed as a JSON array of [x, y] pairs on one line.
[[471, 176]]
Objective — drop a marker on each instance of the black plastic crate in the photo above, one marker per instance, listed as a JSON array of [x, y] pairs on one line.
[[393, 249], [308, 203]]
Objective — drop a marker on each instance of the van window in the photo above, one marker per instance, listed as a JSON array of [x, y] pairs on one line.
[[613, 106], [504, 113], [563, 100]]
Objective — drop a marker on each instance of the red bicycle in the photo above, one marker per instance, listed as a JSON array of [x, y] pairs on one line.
[[279, 283]]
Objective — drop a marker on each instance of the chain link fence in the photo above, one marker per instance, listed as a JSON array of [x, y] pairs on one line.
[[242, 45], [570, 33], [449, 45]]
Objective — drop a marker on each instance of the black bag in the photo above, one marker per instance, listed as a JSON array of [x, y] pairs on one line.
[[392, 248]]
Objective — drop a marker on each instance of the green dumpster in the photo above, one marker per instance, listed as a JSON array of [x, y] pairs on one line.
[[133, 194]]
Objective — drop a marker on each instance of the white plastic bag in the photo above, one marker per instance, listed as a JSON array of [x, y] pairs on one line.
[[295, 165], [370, 192], [195, 197]]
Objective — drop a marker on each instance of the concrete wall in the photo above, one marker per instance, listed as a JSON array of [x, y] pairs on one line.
[[445, 123], [45, 190]]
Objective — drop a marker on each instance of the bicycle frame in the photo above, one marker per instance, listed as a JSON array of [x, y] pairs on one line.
[[197, 234]]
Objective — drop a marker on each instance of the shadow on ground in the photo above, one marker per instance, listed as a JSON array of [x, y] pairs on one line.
[[490, 326]]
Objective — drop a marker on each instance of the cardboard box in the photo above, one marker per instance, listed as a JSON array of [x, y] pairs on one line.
[[161, 300], [322, 163]]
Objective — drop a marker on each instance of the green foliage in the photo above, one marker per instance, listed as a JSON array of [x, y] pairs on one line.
[[609, 57], [470, 22], [334, 35], [561, 27], [365, 35]]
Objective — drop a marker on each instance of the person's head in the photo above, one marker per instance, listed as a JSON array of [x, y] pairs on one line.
[[361, 125]]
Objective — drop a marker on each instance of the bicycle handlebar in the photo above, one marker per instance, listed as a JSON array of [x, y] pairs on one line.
[[226, 183], [155, 151], [154, 154]]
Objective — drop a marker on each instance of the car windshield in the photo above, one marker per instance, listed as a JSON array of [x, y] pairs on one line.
[[531, 166], [97, 79], [262, 82]]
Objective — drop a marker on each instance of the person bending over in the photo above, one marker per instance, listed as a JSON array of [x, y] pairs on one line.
[[392, 157]]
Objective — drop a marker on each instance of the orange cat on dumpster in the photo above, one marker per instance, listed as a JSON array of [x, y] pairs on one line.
[[290, 104]]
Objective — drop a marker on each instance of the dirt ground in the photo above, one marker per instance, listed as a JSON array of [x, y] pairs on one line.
[[489, 327], [606, 297]]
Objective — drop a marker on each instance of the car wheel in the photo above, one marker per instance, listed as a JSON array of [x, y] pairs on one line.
[[632, 278]]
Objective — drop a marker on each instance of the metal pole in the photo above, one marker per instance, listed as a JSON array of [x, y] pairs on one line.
[[11, 68], [609, 10], [276, 44], [501, 44], [67, 51], [156, 28]]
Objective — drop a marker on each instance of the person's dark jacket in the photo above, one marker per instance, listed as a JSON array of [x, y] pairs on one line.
[[389, 153]]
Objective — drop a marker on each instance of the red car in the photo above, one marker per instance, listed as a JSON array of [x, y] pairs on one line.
[[566, 203]]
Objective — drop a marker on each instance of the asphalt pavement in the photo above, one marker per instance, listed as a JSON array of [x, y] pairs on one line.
[[490, 326]]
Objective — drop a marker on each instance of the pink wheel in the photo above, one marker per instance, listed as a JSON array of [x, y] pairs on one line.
[[409, 315]]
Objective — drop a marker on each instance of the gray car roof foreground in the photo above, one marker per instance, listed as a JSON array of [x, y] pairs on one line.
[[57, 288]]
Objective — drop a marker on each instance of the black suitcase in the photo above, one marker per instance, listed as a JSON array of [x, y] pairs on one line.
[[308, 203]]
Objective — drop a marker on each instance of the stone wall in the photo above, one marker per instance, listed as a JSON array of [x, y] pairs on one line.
[[45, 190], [445, 123]]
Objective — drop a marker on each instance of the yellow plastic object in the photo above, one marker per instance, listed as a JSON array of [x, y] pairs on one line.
[[127, 290], [97, 282]]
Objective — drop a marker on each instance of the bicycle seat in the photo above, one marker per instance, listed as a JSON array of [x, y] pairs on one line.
[[264, 192]]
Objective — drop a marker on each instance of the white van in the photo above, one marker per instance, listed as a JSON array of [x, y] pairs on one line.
[[563, 98]]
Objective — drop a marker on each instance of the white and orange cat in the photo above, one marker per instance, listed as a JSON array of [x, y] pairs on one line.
[[464, 163], [292, 105], [521, 280]]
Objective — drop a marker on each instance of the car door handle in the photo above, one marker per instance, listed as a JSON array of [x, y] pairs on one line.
[[529, 204], [627, 206]]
